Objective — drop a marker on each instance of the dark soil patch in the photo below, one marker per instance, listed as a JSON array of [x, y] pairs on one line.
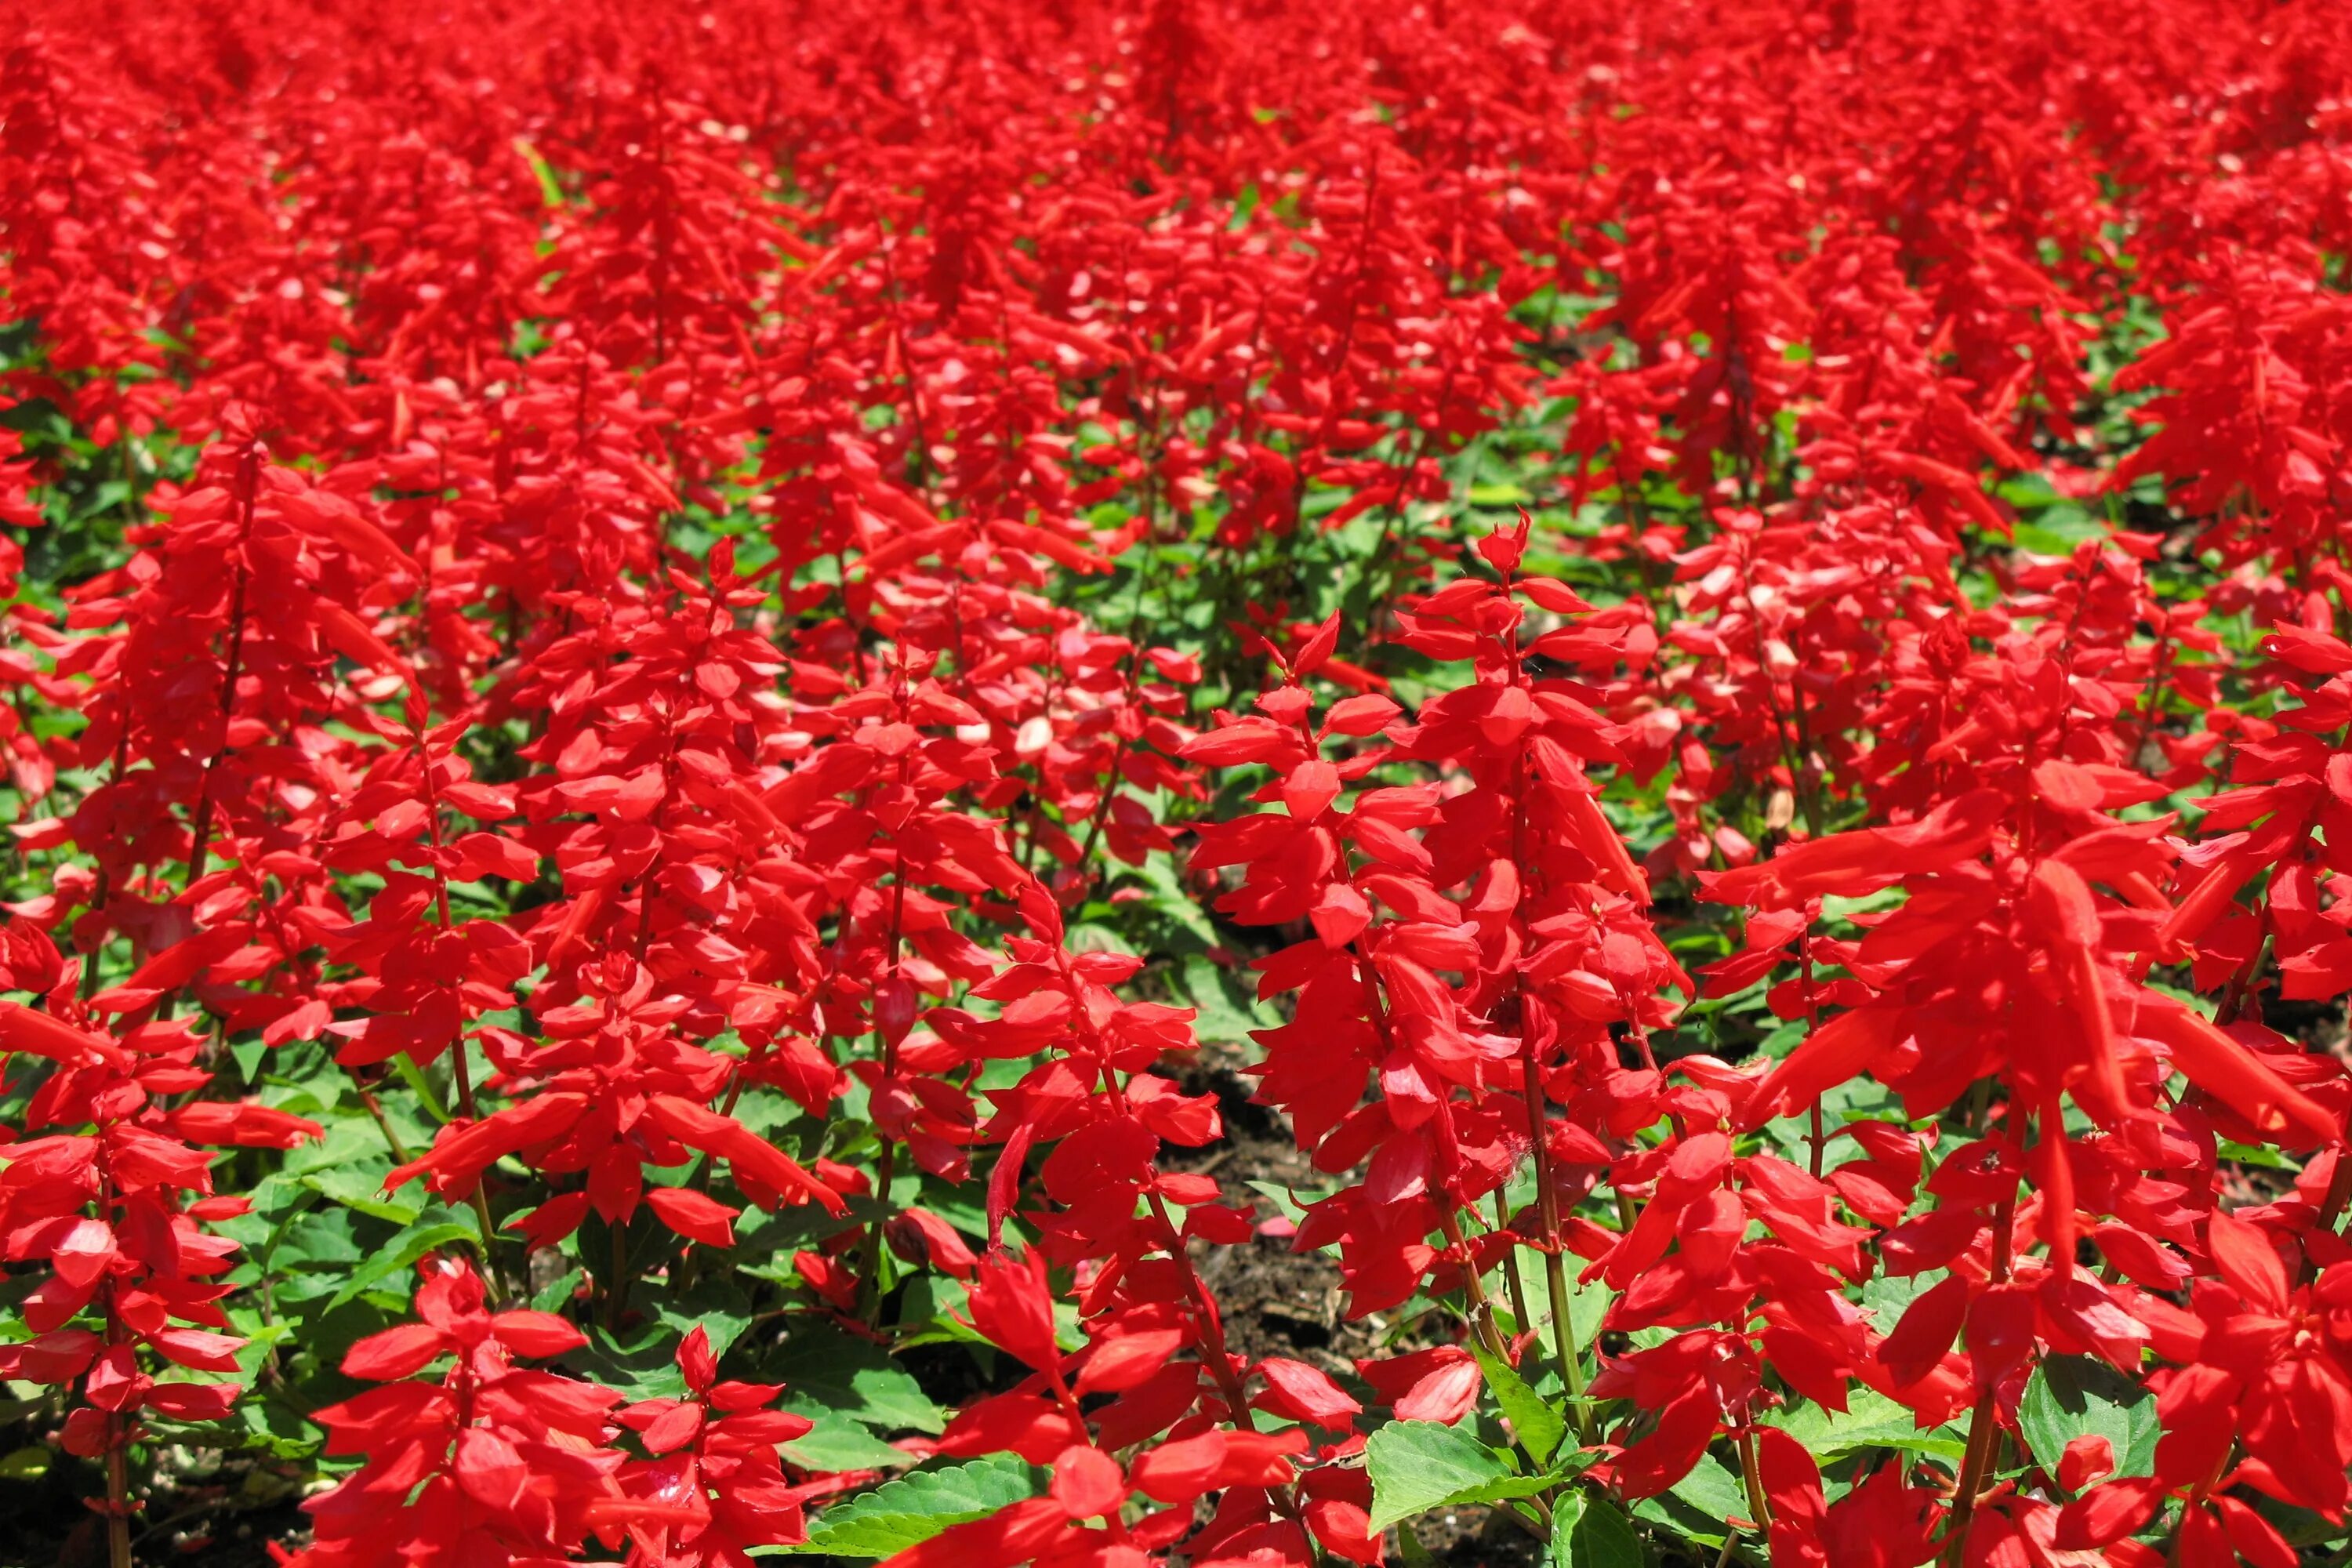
[[1476, 1538], [1278, 1303], [1275, 1301], [950, 1375]]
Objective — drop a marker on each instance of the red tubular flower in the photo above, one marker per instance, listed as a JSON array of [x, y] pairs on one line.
[[713, 1487], [115, 1201], [507, 1463]]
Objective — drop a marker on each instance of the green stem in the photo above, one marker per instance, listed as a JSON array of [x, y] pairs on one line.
[[1983, 1425]]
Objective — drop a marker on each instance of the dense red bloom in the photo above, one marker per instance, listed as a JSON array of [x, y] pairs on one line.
[[744, 684]]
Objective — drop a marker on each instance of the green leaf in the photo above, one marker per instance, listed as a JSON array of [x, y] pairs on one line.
[[914, 1508], [2070, 1397], [319, 1240], [1173, 900], [1679, 1521], [361, 1188], [1412, 1553], [352, 1144], [1536, 1425], [550, 189], [1288, 1201], [413, 1077], [434, 1228], [836, 1441], [559, 1291], [1417, 1466], [248, 1055], [927, 1309], [718, 1306], [25, 1465], [1871, 1420], [1217, 1015], [833, 1370], [1713, 1488], [1590, 1532], [1587, 1305], [644, 1366], [273, 1425]]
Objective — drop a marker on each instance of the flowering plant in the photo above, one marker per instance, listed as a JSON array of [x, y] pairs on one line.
[[1202, 783]]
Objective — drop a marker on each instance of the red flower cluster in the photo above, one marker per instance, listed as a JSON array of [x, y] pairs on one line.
[[498, 1463], [666, 670]]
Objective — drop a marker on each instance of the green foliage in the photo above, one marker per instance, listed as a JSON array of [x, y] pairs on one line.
[[1535, 1425], [2072, 1396], [1417, 1466], [914, 1508], [1590, 1532], [833, 1370], [1869, 1420]]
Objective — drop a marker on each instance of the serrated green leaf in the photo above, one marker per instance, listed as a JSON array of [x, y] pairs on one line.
[[1588, 1304], [914, 1508], [1537, 1426], [1416, 1466], [832, 1370], [272, 1425], [836, 1440], [1289, 1201], [321, 1239], [2070, 1397], [1712, 1489], [1590, 1532], [1871, 1420], [927, 1312], [351, 1142]]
